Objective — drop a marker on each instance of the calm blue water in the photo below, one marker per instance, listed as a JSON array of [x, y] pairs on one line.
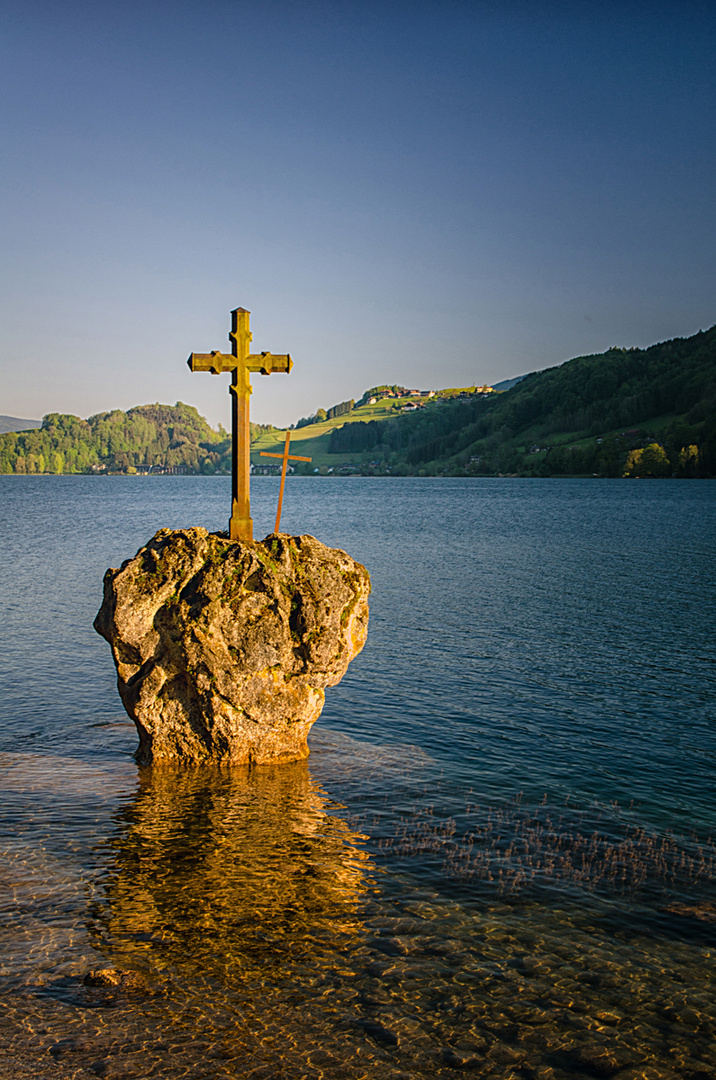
[[498, 856]]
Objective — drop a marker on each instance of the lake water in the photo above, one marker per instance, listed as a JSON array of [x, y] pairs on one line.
[[498, 859]]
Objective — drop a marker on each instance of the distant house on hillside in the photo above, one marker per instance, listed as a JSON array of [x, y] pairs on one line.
[[268, 469]]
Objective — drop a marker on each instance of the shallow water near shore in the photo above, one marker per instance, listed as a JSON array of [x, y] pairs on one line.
[[499, 858]]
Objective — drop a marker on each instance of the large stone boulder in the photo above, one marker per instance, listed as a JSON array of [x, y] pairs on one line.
[[224, 649]]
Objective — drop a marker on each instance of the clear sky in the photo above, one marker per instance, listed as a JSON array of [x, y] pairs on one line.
[[432, 192]]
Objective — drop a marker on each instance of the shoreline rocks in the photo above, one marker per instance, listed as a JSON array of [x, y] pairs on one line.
[[223, 649]]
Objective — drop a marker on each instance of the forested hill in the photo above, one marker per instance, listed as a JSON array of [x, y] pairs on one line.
[[156, 438], [649, 411], [634, 412]]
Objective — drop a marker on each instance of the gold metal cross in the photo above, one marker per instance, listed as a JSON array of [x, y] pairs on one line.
[[286, 458], [240, 363]]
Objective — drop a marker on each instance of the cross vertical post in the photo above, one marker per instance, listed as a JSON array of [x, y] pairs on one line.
[[241, 527], [240, 363]]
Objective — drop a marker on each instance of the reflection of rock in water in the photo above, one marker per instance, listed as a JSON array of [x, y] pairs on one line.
[[238, 875]]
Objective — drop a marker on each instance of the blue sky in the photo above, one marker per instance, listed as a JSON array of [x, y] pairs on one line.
[[431, 193]]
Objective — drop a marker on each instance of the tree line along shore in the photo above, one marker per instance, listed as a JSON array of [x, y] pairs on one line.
[[622, 413]]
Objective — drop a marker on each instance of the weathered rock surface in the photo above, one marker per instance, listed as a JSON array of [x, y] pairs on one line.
[[223, 650]]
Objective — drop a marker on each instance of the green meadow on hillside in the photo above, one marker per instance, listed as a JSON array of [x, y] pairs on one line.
[[635, 412]]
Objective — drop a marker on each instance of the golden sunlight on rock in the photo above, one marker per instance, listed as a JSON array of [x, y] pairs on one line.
[[224, 649]]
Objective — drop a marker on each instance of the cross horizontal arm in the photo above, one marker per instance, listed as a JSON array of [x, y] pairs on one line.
[[291, 457], [266, 363], [215, 362]]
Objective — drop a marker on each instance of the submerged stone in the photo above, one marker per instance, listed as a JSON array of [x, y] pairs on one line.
[[112, 978], [224, 649]]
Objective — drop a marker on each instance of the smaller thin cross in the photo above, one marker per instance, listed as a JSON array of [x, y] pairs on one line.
[[286, 458]]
